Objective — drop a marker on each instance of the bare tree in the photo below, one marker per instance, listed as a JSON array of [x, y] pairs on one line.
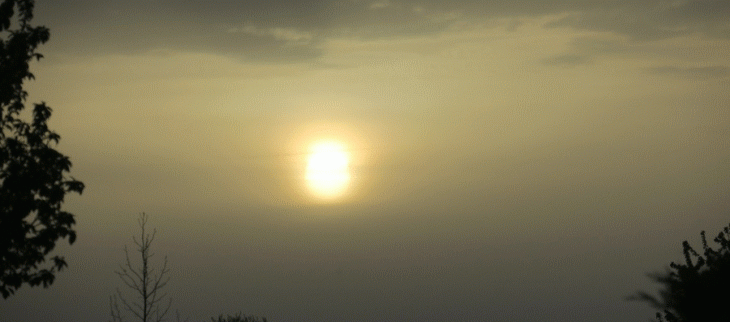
[[148, 303]]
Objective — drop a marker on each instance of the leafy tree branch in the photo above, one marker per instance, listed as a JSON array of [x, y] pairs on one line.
[[33, 180], [696, 290]]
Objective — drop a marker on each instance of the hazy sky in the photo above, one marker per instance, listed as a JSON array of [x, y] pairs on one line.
[[506, 160]]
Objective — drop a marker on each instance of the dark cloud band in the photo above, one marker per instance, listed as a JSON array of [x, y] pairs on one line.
[[293, 30]]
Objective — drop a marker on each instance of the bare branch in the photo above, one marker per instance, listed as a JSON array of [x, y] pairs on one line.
[[144, 281], [115, 312]]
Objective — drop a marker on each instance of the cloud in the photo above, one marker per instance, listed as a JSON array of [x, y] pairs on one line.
[[293, 30], [692, 72], [291, 36], [380, 4], [566, 60], [585, 49], [653, 20], [688, 50]]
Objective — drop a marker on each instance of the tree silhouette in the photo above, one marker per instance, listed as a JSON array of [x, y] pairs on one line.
[[145, 281], [699, 289], [238, 318], [32, 173]]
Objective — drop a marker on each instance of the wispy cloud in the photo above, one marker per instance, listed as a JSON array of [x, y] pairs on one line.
[[652, 20], [692, 72], [291, 30], [566, 60], [291, 36], [380, 4]]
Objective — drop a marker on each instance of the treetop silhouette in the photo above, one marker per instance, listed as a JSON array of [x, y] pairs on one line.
[[33, 181], [698, 289]]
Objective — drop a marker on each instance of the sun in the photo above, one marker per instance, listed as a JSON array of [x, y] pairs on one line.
[[327, 173]]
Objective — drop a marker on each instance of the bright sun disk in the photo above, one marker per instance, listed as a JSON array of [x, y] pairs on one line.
[[327, 172]]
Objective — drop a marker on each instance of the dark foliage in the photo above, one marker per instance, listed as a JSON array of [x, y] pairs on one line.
[[238, 318], [699, 289], [32, 173]]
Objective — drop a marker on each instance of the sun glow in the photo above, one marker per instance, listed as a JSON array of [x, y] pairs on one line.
[[327, 173]]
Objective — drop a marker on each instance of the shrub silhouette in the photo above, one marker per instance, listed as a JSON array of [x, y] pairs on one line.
[[699, 289], [238, 318]]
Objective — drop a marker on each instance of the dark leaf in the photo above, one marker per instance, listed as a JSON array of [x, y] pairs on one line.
[[33, 174]]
